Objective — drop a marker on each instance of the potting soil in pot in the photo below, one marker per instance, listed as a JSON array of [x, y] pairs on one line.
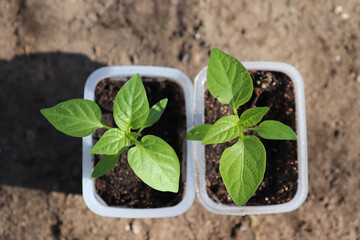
[[120, 186], [274, 90]]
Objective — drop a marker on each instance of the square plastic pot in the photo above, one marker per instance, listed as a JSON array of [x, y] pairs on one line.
[[199, 152], [91, 198]]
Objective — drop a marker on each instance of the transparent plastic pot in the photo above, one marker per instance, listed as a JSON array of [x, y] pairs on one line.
[[199, 150], [91, 198]]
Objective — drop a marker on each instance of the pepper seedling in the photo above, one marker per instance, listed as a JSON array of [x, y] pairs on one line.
[[242, 166], [152, 159]]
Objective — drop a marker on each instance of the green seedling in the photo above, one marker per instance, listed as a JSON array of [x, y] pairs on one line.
[[151, 158], [242, 166]]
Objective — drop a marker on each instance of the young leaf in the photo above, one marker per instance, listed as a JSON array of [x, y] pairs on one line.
[[198, 132], [135, 134], [77, 117], [252, 116], [106, 163], [131, 106], [275, 130], [223, 130], [111, 142], [242, 168], [155, 163], [155, 113], [228, 80]]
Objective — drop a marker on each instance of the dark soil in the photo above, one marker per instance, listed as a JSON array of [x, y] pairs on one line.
[[120, 186], [276, 91]]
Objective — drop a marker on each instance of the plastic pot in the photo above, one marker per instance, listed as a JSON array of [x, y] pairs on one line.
[[199, 152], [91, 198]]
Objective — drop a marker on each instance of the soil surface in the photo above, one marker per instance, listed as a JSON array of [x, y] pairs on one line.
[[120, 186], [276, 91], [49, 48]]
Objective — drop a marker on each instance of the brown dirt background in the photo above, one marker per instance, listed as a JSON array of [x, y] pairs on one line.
[[48, 48]]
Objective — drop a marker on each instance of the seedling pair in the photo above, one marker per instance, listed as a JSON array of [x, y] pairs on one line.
[[151, 158], [242, 166]]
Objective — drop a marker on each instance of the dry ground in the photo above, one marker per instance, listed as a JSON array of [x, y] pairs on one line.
[[48, 48]]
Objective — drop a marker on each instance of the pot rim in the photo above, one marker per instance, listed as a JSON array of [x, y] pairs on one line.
[[91, 198], [199, 157]]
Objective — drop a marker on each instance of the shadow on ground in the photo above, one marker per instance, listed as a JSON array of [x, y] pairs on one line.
[[33, 154]]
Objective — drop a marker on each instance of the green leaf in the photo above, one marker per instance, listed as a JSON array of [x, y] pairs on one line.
[[198, 132], [275, 130], [111, 142], [76, 117], [155, 163], [252, 116], [242, 168], [131, 106], [106, 163], [223, 130], [228, 80], [155, 113], [135, 135]]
